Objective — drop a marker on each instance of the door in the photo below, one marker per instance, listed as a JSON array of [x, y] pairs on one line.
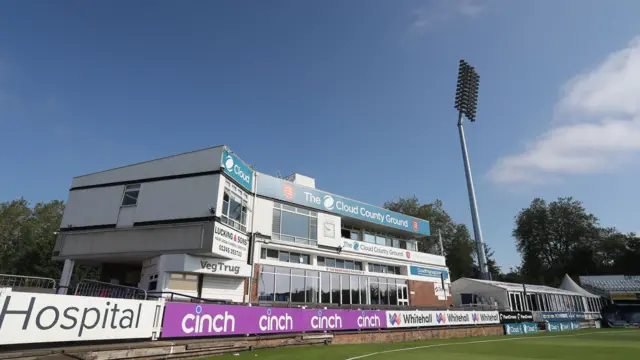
[[403, 295]]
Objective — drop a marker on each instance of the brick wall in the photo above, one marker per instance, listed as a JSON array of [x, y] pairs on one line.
[[416, 335], [254, 283], [424, 294]]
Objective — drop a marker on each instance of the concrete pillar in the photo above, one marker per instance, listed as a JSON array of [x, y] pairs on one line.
[[65, 278]]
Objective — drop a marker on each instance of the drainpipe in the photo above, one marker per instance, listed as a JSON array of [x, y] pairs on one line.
[[253, 237]]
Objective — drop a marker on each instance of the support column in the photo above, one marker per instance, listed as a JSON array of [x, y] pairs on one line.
[[65, 278]]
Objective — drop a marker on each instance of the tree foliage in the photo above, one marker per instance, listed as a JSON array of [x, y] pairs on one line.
[[458, 246], [562, 237], [27, 239]]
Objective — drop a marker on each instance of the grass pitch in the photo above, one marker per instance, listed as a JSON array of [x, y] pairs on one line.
[[601, 344]]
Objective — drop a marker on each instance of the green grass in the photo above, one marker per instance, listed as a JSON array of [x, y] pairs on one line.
[[577, 345]]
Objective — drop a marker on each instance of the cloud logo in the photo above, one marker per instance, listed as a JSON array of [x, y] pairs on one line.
[[228, 163], [328, 202], [394, 319], [440, 318], [356, 246], [289, 192]]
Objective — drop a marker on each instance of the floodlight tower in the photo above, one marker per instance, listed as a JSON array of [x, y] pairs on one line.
[[466, 103]]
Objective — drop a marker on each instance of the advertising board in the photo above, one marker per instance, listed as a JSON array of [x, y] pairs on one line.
[[361, 247], [42, 318], [188, 320], [229, 243], [237, 169], [400, 319], [563, 326], [515, 317], [521, 328], [428, 272], [284, 190], [625, 296], [562, 316]]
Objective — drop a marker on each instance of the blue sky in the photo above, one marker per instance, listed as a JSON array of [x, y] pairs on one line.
[[358, 94]]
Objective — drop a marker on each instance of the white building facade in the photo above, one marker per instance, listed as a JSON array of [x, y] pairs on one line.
[[204, 224]]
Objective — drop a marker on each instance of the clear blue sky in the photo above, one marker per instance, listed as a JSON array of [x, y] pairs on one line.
[[358, 94]]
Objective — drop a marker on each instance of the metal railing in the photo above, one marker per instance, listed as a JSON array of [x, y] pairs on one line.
[[20, 283], [104, 289]]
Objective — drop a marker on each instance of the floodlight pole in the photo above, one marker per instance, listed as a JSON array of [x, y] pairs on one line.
[[477, 231]]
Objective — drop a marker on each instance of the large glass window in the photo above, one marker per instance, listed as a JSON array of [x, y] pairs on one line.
[[325, 283], [355, 290], [346, 290], [364, 284], [393, 294], [335, 289], [312, 286], [374, 291], [309, 286], [266, 284], [283, 284], [295, 224], [234, 207]]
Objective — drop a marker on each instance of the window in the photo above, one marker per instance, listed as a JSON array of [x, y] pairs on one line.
[[182, 282], [308, 286], [350, 233], [234, 207], [339, 263], [285, 256], [295, 225], [369, 238], [131, 193], [153, 282], [384, 269]]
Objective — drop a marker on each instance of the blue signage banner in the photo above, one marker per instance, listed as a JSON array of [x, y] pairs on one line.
[[524, 328], [428, 272], [563, 326], [530, 328], [562, 316], [237, 169], [280, 189], [513, 329]]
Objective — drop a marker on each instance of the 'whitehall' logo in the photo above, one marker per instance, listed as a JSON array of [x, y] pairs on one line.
[[288, 191], [328, 202], [414, 223], [440, 318], [228, 163], [394, 319], [475, 317]]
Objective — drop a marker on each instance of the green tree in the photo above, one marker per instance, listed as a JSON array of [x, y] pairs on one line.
[[27, 239], [556, 238]]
